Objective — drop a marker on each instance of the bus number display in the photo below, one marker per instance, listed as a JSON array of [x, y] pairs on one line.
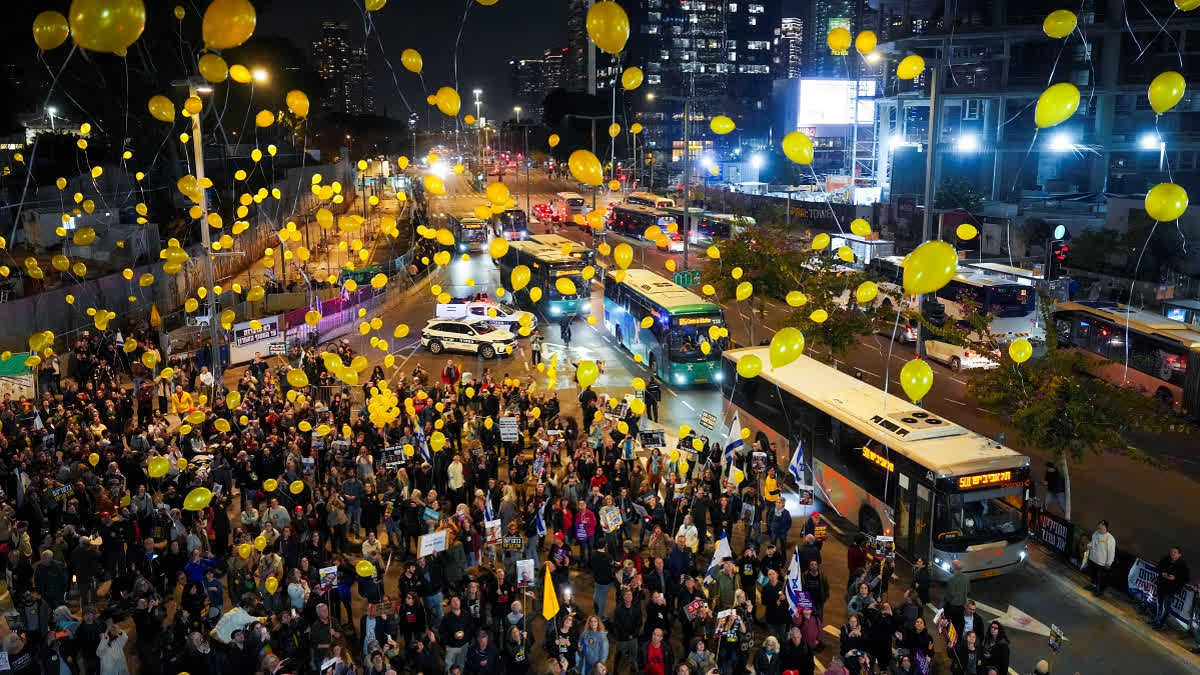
[[878, 460], [980, 480], [694, 320]]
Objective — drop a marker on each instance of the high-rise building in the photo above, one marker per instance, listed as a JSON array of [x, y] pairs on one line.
[[720, 55], [824, 16], [347, 85], [533, 79], [789, 52], [576, 63]]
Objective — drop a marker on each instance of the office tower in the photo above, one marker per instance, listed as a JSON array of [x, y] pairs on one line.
[[347, 85]]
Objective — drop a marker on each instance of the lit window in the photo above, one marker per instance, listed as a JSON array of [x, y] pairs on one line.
[[755, 9], [753, 21], [732, 7]]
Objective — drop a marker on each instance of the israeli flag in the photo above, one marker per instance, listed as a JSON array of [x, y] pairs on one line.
[[721, 552], [793, 585], [540, 521], [796, 466], [733, 440], [487, 509], [423, 445]]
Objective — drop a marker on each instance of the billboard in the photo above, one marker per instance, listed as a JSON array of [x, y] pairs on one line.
[[831, 102], [247, 340]]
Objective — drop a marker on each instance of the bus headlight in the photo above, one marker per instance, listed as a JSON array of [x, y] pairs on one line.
[[680, 379], [1021, 555], [555, 310], [719, 377], [462, 247]]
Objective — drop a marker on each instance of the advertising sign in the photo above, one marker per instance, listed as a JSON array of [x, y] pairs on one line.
[[247, 340]]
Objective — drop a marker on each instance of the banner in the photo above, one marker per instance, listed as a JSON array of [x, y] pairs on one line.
[[1142, 585], [431, 543], [246, 340]]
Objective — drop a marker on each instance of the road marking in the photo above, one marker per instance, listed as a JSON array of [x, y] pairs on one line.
[[962, 382], [957, 402], [689, 406]]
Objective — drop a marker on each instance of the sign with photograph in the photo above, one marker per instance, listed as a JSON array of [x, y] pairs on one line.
[[525, 575], [393, 457], [431, 543], [492, 527], [610, 518], [328, 579], [510, 431], [708, 420], [656, 438]]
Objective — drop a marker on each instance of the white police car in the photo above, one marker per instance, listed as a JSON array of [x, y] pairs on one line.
[[497, 314], [473, 335]]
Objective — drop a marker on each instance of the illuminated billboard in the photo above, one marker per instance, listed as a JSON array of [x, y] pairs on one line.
[[830, 102]]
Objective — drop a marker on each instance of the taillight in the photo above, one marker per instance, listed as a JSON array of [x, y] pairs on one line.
[[969, 354]]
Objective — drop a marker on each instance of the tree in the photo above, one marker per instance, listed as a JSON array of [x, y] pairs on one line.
[[1054, 403], [956, 193], [777, 266]]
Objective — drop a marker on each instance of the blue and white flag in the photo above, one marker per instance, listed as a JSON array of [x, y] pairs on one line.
[[423, 445], [487, 508], [797, 598], [733, 441], [796, 466], [539, 519], [720, 553]]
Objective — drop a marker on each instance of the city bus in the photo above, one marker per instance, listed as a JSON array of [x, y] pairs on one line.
[[888, 468], [470, 232], [650, 199], [1014, 304], [511, 224], [707, 227], [547, 265], [577, 250], [632, 220], [1159, 349], [672, 345], [567, 205]]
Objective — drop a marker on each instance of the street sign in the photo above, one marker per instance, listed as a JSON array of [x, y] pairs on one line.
[[687, 277]]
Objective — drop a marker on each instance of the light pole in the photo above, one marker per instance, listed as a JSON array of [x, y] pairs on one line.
[[50, 112], [195, 88], [687, 163], [479, 127]]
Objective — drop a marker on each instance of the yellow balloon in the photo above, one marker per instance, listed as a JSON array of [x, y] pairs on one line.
[[297, 378], [271, 584], [297, 103], [296, 487], [635, 128], [197, 499], [240, 74], [260, 542], [748, 366], [866, 292], [448, 101], [535, 294], [614, 130], [161, 108], [608, 26], [61, 263], [1059, 23], [412, 61], [798, 147], [916, 378], [1056, 105], [1166, 89], [584, 165], [50, 30], [565, 286], [520, 277], [623, 255], [838, 40], [865, 42], [364, 568], [818, 316], [708, 289], [228, 23], [910, 67], [587, 372], [631, 78], [107, 25], [553, 140], [1020, 350], [497, 192], [786, 346], [158, 466], [744, 290], [845, 254], [434, 185], [929, 267], [1166, 202], [212, 67], [860, 227], [721, 125]]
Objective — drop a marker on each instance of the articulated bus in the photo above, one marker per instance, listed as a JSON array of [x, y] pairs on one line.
[[547, 265], [1158, 349], [632, 220], [707, 227], [887, 467], [1015, 305], [650, 199], [577, 250], [470, 232], [673, 345]]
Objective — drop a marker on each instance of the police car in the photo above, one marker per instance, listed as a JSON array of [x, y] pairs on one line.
[[497, 314], [472, 335]]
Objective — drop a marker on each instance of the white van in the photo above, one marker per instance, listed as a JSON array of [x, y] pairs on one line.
[[494, 313]]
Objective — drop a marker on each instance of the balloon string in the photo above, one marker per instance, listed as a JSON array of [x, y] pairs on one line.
[[1087, 46], [33, 151], [1162, 27], [370, 23], [1165, 160], [1129, 302], [829, 203], [1021, 166]]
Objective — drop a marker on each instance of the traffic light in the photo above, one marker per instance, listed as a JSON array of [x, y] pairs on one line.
[[1057, 259]]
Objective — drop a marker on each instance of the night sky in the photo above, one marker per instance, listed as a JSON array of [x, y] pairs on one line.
[[508, 30]]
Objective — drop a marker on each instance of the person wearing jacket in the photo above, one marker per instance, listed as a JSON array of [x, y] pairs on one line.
[[1173, 575], [853, 635], [482, 657], [593, 645], [1102, 551], [816, 585], [626, 623], [968, 656], [995, 647], [517, 651], [796, 654], [701, 660], [767, 661], [779, 521], [916, 638]]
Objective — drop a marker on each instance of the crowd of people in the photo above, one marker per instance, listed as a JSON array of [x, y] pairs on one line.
[[332, 545]]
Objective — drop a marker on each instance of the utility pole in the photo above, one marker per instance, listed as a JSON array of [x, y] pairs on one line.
[[687, 166], [930, 166]]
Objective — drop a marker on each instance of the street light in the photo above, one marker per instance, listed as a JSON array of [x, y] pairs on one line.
[[756, 161], [967, 142], [649, 96], [260, 76], [1061, 142], [51, 111], [1148, 141]]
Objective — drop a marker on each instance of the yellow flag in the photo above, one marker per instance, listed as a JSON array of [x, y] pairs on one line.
[[550, 598], [155, 317]]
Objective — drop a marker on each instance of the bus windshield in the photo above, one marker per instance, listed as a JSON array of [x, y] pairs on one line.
[[683, 342], [1010, 300], [970, 518], [576, 277], [473, 233]]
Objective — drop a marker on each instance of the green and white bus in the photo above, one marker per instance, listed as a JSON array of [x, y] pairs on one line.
[[547, 265], [578, 250], [673, 346], [470, 232]]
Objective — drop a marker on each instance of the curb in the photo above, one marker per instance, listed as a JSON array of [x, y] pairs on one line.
[[1172, 648]]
